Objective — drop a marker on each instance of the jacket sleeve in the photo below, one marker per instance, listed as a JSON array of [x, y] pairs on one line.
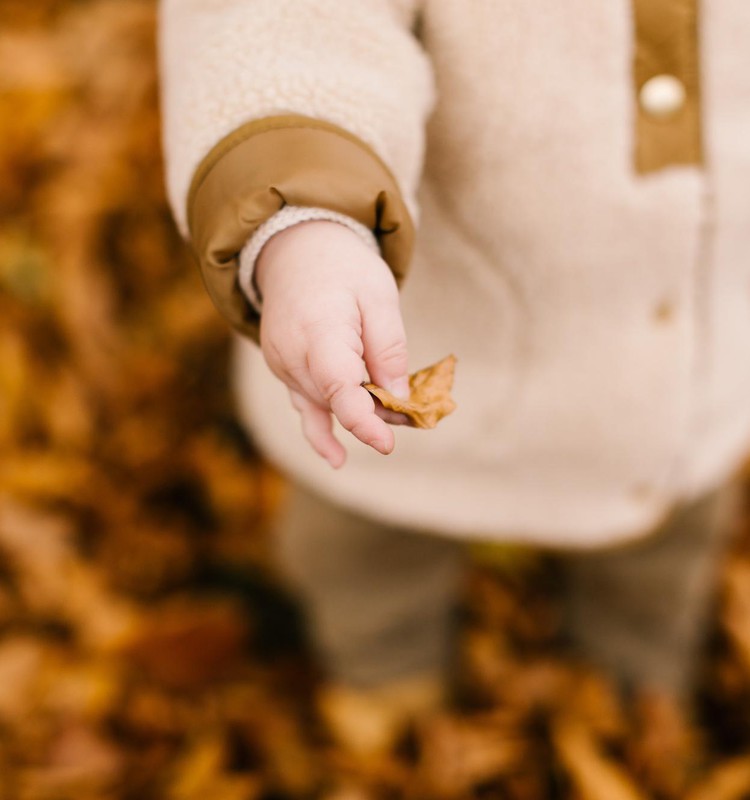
[[269, 103]]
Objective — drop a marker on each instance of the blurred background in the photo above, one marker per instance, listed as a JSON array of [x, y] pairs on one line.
[[147, 649]]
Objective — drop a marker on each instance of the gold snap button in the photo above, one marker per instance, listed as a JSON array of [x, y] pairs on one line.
[[641, 492], [662, 96], [664, 311]]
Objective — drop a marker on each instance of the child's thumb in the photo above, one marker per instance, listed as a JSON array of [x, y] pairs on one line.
[[387, 363], [384, 343], [399, 387]]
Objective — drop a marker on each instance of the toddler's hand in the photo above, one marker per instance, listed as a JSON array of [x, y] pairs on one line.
[[330, 321]]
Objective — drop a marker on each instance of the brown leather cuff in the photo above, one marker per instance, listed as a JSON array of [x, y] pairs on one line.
[[287, 160]]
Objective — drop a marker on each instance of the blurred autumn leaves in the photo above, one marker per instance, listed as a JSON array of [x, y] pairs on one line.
[[145, 650], [127, 494]]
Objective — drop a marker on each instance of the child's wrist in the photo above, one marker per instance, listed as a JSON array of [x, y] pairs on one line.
[[317, 234], [290, 217]]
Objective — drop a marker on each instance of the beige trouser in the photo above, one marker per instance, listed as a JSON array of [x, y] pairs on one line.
[[380, 599]]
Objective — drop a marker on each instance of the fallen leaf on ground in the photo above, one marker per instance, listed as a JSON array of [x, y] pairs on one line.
[[728, 781], [593, 774], [459, 753], [430, 399]]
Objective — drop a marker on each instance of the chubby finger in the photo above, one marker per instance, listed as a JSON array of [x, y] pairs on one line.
[[338, 372], [317, 428], [384, 343], [354, 408], [389, 416]]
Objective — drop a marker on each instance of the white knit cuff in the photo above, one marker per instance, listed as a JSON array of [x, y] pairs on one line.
[[281, 220]]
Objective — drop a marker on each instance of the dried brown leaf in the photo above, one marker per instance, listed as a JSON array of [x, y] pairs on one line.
[[728, 781], [46, 474], [188, 645], [80, 762], [278, 736], [737, 608], [21, 659], [458, 754], [594, 775], [202, 773], [663, 751], [430, 398]]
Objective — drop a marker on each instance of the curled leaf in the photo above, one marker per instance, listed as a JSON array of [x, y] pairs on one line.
[[430, 399]]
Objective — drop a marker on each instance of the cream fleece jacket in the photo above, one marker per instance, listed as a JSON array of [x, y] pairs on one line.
[[601, 316]]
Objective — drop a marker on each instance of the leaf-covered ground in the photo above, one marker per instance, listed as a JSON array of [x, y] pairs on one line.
[[146, 648]]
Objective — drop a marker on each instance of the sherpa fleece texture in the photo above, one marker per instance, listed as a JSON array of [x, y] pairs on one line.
[[601, 318]]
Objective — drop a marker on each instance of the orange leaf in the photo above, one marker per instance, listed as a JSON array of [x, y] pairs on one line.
[[430, 398]]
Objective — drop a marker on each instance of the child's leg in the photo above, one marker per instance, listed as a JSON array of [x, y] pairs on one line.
[[379, 602], [640, 611], [379, 598]]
